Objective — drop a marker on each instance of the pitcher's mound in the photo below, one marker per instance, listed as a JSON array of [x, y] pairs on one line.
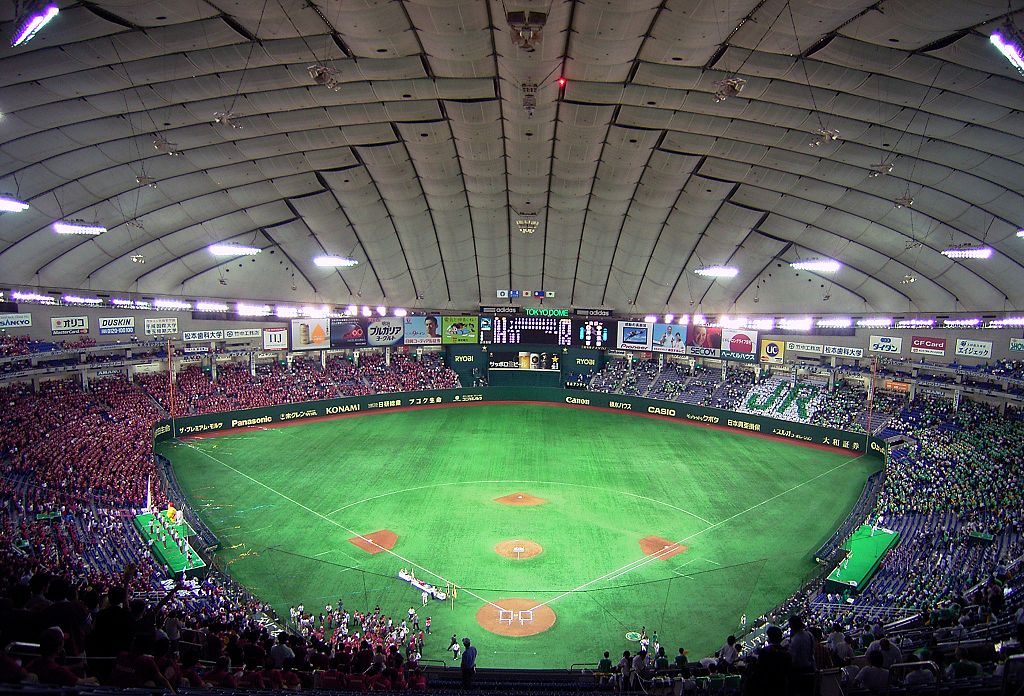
[[520, 499], [528, 549], [375, 542], [513, 617], [662, 548]]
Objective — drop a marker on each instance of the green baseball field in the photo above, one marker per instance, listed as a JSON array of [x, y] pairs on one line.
[[561, 529]]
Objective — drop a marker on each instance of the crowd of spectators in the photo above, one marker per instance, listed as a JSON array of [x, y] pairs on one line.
[[13, 345], [76, 463]]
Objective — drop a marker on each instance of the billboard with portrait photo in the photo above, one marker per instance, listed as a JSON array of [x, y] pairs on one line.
[[669, 338], [423, 330], [704, 341]]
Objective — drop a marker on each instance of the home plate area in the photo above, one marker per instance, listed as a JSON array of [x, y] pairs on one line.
[[516, 617]]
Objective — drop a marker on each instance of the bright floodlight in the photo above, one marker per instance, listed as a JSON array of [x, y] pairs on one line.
[[717, 271], [161, 303], [62, 227], [400, 312], [75, 299], [233, 250], [37, 15], [875, 323], [968, 252], [335, 262], [835, 323], [1020, 233], [211, 307], [9, 204], [650, 319], [817, 266], [1011, 52]]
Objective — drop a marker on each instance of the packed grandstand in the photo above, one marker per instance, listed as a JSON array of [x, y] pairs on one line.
[[76, 462]]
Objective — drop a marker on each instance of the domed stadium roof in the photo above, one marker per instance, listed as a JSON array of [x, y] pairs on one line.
[[432, 141]]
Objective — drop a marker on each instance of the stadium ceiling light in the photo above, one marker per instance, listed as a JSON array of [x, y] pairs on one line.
[[316, 312], [211, 307], [961, 323], [968, 252], [366, 311], [818, 266], [233, 250], [400, 312], [10, 204], [914, 323], [77, 227], [835, 323], [248, 310], [1020, 233], [683, 320], [669, 318], [1007, 321], [650, 319], [718, 272], [335, 261], [172, 304], [75, 299], [793, 324], [727, 322], [351, 310], [130, 304], [875, 323], [761, 324], [32, 297], [1009, 50], [382, 310], [32, 19], [700, 320], [282, 312]]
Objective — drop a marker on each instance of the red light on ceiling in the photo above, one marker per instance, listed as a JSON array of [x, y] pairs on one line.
[[562, 81]]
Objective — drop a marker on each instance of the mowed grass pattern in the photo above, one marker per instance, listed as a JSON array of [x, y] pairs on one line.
[[285, 500]]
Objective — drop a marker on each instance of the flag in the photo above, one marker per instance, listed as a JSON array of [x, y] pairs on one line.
[[549, 293], [149, 493], [503, 293]]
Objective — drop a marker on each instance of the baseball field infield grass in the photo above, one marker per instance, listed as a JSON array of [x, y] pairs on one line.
[[640, 522]]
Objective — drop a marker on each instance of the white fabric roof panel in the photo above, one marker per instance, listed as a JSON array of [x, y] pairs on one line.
[[636, 173]]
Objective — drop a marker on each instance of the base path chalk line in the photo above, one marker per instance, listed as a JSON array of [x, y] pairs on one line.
[[629, 567], [342, 527]]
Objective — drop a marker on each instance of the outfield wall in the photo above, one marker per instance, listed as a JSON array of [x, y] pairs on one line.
[[750, 423]]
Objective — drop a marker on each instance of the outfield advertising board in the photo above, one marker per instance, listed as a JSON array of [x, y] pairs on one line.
[[842, 351], [231, 334], [798, 347], [927, 345], [214, 335], [704, 341], [161, 326], [348, 333], [669, 338], [20, 320], [885, 344], [459, 330], [773, 352], [1017, 344], [116, 325], [739, 345], [275, 338], [524, 360], [968, 348], [214, 423], [63, 326], [311, 334], [634, 335], [423, 331], [385, 331]]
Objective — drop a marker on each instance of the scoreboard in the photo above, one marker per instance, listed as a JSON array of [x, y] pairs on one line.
[[594, 333], [516, 330]]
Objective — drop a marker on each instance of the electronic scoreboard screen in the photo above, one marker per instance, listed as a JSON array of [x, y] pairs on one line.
[[594, 333], [520, 330]]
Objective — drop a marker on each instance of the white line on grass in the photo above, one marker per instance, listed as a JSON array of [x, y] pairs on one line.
[[343, 527], [629, 567]]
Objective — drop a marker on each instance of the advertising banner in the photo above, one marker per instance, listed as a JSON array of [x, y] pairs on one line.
[[311, 334], [423, 331], [669, 338], [216, 335], [195, 350], [739, 345], [117, 325], [773, 352], [886, 344], [348, 333], [460, 329], [523, 360], [1017, 344], [893, 385], [926, 345], [973, 349], [593, 333], [275, 338], [385, 331], [162, 326], [798, 347], [843, 351], [634, 335], [704, 341], [62, 326], [230, 334], [15, 321]]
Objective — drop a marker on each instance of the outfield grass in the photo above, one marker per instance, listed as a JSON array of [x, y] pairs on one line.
[[751, 511]]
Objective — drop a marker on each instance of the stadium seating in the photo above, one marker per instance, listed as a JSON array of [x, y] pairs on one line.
[[76, 464]]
